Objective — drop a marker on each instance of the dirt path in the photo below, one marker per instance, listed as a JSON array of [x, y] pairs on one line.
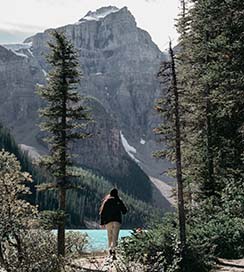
[[92, 260], [98, 262], [101, 262], [230, 265]]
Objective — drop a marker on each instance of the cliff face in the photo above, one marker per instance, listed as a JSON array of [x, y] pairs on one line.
[[119, 63], [19, 74], [105, 154]]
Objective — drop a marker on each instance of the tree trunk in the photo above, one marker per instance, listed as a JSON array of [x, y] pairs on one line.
[[181, 209], [210, 157], [63, 161], [61, 225], [210, 165], [19, 248]]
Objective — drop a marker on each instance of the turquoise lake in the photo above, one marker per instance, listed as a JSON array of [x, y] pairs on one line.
[[98, 238]]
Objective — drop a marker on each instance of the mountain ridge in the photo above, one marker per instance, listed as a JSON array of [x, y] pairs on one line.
[[119, 63]]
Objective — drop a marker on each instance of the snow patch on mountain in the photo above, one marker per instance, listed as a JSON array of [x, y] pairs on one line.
[[142, 141], [44, 73], [30, 52], [19, 48], [20, 54], [99, 14], [128, 148]]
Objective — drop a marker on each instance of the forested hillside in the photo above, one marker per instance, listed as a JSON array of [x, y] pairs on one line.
[[82, 203], [8, 143]]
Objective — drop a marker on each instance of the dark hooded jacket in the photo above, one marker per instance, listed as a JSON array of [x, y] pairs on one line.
[[112, 210]]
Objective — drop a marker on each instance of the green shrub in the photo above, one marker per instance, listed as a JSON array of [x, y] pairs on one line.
[[75, 244], [39, 251], [199, 252], [224, 233], [157, 249]]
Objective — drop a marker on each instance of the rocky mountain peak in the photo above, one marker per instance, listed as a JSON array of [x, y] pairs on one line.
[[119, 62], [99, 13], [108, 15]]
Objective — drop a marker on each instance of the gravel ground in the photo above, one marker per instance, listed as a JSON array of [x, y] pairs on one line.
[[99, 262]]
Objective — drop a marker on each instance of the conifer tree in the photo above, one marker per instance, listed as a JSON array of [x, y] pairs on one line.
[[212, 73], [64, 119], [171, 133]]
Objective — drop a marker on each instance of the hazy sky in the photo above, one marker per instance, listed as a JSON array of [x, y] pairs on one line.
[[22, 18]]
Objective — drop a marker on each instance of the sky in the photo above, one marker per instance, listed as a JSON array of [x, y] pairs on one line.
[[20, 19]]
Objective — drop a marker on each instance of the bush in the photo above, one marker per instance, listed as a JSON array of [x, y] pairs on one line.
[[39, 251], [157, 249], [199, 252], [24, 244], [75, 243], [225, 233]]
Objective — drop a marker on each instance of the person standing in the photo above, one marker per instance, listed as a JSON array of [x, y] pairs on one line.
[[111, 212]]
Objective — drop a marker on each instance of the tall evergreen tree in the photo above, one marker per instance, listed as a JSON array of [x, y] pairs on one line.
[[65, 120], [170, 131], [212, 73]]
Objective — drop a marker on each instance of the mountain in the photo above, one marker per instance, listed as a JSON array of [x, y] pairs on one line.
[[119, 63]]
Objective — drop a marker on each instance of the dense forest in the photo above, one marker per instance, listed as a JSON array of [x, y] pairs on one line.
[[84, 201], [202, 125]]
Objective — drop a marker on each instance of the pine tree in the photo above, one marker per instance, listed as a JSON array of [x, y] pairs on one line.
[[181, 55], [212, 73], [170, 131], [65, 120]]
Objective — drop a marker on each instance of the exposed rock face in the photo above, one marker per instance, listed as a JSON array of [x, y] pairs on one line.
[[19, 74], [119, 62], [105, 153]]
